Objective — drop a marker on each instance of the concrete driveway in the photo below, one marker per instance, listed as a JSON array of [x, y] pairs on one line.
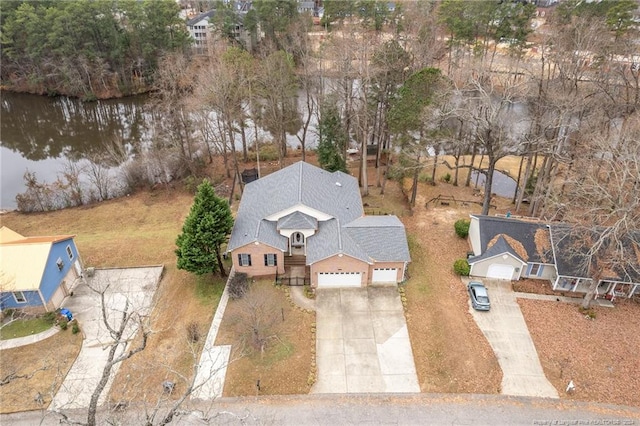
[[507, 333], [135, 285], [362, 342]]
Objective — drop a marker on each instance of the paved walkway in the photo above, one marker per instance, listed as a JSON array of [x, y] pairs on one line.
[[212, 369], [298, 297], [362, 342], [134, 286], [507, 333], [576, 300], [28, 340]]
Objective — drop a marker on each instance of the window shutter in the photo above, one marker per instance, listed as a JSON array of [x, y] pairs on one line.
[[275, 260], [266, 260], [249, 258], [240, 259]]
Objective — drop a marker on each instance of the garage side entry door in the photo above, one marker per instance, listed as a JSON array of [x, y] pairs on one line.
[[385, 275], [339, 279], [500, 271]]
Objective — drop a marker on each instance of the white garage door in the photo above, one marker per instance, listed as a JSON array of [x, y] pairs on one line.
[[339, 279], [500, 271], [385, 275]]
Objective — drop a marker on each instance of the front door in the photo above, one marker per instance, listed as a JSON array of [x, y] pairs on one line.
[[297, 243], [297, 239]]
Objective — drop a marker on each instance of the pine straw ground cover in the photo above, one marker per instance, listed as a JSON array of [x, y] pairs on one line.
[[287, 364], [600, 355], [134, 231]]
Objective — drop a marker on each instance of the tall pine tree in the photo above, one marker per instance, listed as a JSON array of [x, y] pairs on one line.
[[203, 233], [333, 140]]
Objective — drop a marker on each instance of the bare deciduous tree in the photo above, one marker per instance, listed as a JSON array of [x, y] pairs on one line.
[[601, 202]]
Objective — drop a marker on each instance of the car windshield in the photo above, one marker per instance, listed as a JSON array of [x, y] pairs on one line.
[[483, 299]]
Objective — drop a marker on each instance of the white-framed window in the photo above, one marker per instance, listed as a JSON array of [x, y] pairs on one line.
[[19, 297], [69, 252], [60, 264], [244, 259], [270, 259], [535, 269]]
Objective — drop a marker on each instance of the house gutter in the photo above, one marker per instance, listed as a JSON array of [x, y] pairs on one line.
[[555, 262], [42, 300]]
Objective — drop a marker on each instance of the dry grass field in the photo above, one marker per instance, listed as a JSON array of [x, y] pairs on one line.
[[45, 365]]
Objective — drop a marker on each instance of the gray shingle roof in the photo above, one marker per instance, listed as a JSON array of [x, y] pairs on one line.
[[325, 243], [501, 246], [383, 238], [196, 19], [571, 254], [297, 220], [521, 231], [268, 234], [300, 183], [348, 231]]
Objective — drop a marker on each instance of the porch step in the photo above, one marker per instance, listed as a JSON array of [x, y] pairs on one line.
[[295, 260]]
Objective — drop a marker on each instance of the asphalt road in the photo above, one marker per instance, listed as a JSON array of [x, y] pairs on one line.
[[370, 409]]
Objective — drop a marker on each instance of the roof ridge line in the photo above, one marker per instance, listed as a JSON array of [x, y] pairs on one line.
[[300, 184], [258, 229], [339, 235]]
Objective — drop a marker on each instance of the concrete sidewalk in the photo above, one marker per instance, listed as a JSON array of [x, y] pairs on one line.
[[212, 368], [507, 333], [28, 340]]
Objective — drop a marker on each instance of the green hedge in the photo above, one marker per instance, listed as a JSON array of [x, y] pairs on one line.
[[462, 227], [461, 267]]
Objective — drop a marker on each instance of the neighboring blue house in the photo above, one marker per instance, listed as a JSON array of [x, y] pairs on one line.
[[37, 273]]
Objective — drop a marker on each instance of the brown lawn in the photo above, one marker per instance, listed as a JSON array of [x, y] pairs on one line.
[[289, 356], [45, 364], [450, 351], [599, 355], [132, 231]]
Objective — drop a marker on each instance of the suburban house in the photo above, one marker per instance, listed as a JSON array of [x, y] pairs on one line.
[[303, 220], [37, 273], [618, 280], [511, 249], [200, 26]]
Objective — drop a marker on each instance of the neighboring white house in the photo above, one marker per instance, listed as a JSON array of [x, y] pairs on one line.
[[511, 249]]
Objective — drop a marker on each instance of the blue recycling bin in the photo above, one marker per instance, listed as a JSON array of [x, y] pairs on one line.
[[66, 313]]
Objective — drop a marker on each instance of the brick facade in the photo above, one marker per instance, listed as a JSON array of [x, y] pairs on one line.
[[257, 252]]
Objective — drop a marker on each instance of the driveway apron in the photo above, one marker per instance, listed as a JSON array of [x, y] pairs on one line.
[[362, 342], [507, 333]]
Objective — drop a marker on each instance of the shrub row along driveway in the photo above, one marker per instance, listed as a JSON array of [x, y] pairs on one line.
[[508, 335], [362, 342]]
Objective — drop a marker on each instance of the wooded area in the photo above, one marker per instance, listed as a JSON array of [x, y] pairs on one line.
[[408, 83]]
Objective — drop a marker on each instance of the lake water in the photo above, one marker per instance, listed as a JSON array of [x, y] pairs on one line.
[[41, 134]]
